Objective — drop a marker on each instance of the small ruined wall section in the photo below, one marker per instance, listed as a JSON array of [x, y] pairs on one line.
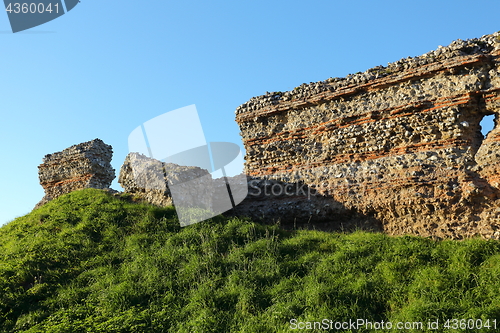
[[400, 143], [85, 165], [147, 179]]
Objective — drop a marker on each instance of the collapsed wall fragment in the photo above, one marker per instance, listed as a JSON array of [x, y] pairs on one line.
[[85, 165], [149, 179]]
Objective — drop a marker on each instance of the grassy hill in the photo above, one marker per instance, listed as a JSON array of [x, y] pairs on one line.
[[91, 262]]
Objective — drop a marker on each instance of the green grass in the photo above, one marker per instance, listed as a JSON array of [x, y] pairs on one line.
[[90, 262]]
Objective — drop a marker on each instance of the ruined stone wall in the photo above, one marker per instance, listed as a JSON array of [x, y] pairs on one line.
[[85, 165], [401, 143]]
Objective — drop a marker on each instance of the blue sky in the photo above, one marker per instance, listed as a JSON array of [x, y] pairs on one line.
[[106, 67]]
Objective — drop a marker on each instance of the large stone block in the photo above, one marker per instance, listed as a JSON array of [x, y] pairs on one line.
[[149, 179]]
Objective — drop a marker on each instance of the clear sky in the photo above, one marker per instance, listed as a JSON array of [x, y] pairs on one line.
[[106, 67]]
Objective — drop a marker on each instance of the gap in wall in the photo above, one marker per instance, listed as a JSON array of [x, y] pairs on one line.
[[487, 124]]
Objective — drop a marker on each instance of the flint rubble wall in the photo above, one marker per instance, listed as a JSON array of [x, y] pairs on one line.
[[401, 143], [85, 165]]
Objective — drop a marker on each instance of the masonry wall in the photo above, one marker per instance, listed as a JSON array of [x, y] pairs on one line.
[[401, 143], [85, 165]]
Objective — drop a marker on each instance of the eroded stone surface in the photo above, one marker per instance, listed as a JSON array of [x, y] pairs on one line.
[[151, 180], [85, 165], [401, 143]]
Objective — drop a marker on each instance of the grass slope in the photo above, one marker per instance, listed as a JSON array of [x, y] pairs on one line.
[[90, 262]]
